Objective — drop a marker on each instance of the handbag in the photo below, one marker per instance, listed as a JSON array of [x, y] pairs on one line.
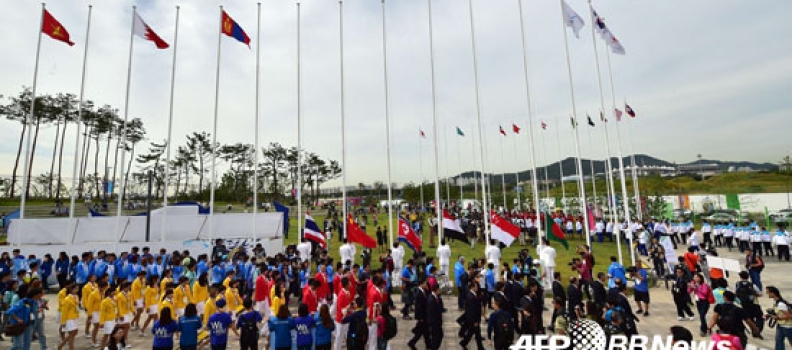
[[13, 330]]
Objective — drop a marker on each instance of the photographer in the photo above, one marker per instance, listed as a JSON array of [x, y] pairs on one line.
[[584, 272], [782, 317], [657, 254]]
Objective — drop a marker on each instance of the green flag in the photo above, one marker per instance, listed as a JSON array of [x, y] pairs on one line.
[[554, 231], [459, 132]]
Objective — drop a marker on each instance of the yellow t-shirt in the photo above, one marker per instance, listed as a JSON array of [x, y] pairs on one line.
[[227, 282], [209, 309], [88, 288], [124, 307], [69, 309], [167, 303], [109, 310], [137, 288], [151, 297], [94, 301], [276, 304], [181, 297], [233, 300], [62, 295], [199, 293], [164, 284]]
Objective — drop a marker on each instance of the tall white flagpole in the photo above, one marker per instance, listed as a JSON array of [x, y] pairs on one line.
[[26, 169], [214, 132], [547, 167], [625, 198], [343, 116], [517, 186], [298, 190], [461, 170], [485, 202], [420, 165], [611, 189], [503, 175], [447, 170], [387, 123], [638, 207], [473, 153], [581, 187], [591, 165], [561, 160], [124, 128], [79, 120], [170, 129], [438, 206], [256, 127]]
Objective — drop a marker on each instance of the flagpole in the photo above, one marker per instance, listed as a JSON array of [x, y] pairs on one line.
[[79, 125], [503, 175], [214, 133], [438, 207], [461, 170], [582, 189], [517, 187], [170, 129], [256, 127], [26, 169], [124, 133], [343, 115], [473, 153], [298, 191], [625, 199], [447, 171], [485, 203], [561, 160], [387, 124], [614, 217], [534, 180], [420, 165], [546, 159], [591, 165], [638, 207]]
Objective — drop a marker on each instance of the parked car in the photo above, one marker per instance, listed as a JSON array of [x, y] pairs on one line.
[[781, 217], [682, 213], [724, 218]]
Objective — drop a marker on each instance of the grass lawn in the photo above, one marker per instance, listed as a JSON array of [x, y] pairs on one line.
[[602, 251]]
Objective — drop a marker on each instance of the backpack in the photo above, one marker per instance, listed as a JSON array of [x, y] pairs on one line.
[[360, 333], [504, 330], [746, 293], [249, 326], [391, 327]]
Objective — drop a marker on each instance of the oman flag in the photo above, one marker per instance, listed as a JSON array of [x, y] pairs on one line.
[[503, 230], [554, 231]]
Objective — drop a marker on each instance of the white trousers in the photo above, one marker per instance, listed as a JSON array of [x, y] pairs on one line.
[[340, 335]]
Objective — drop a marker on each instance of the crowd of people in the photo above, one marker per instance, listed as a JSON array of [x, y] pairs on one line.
[[303, 298]]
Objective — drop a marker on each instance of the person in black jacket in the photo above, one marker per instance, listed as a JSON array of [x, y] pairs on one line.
[[354, 319], [472, 321], [500, 294], [463, 286], [630, 327], [681, 296], [558, 288], [575, 299], [514, 291], [420, 329], [598, 286], [434, 319]]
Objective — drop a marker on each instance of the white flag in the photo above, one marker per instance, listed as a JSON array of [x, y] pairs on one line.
[[615, 45], [572, 19]]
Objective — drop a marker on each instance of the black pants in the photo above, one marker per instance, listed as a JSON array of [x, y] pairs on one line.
[[708, 239], [729, 242], [585, 285], [756, 247], [407, 298], [783, 251], [719, 241], [659, 266], [461, 298], [248, 341], [703, 307], [768, 249], [420, 330], [683, 309], [469, 332]]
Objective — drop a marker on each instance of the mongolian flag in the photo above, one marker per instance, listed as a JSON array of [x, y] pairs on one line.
[[232, 29]]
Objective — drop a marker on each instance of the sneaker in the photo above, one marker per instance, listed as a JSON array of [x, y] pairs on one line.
[[129, 346], [87, 336], [691, 318], [639, 312], [680, 318], [94, 345], [646, 314], [141, 334]]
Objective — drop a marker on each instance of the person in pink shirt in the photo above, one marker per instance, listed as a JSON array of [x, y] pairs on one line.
[[702, 293]]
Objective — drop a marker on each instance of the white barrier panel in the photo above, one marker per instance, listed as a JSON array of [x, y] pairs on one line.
[[89, 231]]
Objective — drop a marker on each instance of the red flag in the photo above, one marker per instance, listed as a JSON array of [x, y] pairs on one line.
[[231, 28], [355, 234], [141, 29], [503, 230], [503, 132], [515, 128], [544, 126], [618, 115], [408, 235], [54, 29], [629, 110]]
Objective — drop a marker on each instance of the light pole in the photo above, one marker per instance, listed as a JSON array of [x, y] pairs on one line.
[[701, 166]]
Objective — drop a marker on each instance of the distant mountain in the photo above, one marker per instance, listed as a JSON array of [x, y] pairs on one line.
[[569, 167]]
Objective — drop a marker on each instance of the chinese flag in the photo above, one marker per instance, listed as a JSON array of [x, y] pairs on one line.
[[54, 29]]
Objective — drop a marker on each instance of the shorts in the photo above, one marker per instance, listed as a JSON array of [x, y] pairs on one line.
[[70, 325], [139, 304], [126, 319], [180, 312], [95, 317], [642, 296], [107, 328], [200, 307], [153, 310]]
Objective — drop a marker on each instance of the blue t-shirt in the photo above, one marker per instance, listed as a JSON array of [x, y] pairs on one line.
[[189, 326], [218, 274], [643, 284], [323, 334], [163, 334], [303, 327], [218, 328], [281, 330]]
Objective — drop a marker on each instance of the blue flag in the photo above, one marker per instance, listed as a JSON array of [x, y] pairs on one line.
[[282, 209]]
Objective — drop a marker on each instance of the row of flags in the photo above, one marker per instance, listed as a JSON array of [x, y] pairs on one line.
[[55, 30], [576, 23], [516, 129]]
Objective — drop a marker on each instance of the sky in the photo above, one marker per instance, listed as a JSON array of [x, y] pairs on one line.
[[709, 77]]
